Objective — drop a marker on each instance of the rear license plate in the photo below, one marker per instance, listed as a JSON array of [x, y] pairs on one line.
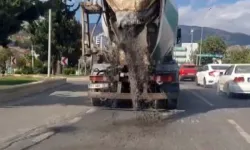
[[96, 86], [190, 74]]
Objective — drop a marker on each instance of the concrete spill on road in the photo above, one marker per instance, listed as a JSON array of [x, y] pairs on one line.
[[135, 48]]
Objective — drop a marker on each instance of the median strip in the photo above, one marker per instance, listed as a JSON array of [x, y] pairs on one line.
[[9, 93]]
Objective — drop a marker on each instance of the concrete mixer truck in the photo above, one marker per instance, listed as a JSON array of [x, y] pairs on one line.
[[140, 33]]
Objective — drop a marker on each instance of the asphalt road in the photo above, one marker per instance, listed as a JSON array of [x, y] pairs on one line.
[[204, 121], [18, 118]]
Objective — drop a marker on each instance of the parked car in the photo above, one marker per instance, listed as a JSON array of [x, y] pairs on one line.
[[208, 75], [187, 71], [236, 80]]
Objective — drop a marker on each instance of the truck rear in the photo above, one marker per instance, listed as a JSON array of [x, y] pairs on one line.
[[142, 38]]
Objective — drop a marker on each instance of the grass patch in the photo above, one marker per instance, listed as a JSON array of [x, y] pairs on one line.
[[16, 80]]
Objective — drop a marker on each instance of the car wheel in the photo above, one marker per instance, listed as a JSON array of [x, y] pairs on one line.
[[172, 104], [196, 81], [218, 89], [229, 93], [204, 83]]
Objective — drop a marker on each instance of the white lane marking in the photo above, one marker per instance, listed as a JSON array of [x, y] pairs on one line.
[[241, 131], [202, 98], [91, 110], [69, 94], [43, 136], [75, 120]]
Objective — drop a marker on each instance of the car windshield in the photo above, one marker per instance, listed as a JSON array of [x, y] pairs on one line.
[[217, 67], [242, 69]]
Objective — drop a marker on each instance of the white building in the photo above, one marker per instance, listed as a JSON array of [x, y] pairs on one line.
[[100, 40], [182, 54]]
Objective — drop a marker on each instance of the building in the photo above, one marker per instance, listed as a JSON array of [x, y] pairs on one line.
[[183, 54], [101, 40]]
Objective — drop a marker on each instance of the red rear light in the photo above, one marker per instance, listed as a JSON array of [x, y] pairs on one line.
[[181, 71], [97, 78], [163, 78], [239, 79], [212, 73], [168, 78]]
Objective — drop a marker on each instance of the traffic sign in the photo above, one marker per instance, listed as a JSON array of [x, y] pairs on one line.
[[64, 61], [13, 60], [210, 55]]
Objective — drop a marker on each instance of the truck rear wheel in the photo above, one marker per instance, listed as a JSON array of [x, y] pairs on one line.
[[160, 104], [96, 102], [172, 104]]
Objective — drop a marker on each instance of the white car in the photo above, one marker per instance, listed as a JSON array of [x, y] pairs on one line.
[[209, 74], [236, 80]]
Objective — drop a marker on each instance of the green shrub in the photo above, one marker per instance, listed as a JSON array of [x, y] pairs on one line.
[[18, 72], [38, 63], [69, 71], [27, 70]]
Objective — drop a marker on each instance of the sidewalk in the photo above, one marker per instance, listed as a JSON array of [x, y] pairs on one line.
[[41, 109]]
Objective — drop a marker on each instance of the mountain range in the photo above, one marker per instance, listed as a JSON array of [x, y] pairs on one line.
[[228, 37]]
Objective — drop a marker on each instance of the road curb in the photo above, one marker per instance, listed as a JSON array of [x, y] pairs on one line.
[[15, 92]]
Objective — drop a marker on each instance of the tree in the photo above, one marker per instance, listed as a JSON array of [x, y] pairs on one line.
[[237, 54], [5, 55], [212, 45], [14, 12], [66, 33], [21, 62]]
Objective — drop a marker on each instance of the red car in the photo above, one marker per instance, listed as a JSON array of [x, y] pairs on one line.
[[187, 71]]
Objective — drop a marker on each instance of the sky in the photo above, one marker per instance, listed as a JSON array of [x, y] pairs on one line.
[[229, 15]]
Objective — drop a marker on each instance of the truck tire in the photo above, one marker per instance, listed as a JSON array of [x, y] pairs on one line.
[[160, 104], [96, 102], [172, 104]]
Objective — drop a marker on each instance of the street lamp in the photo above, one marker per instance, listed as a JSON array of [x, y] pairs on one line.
[[202, 28], [192, 38]]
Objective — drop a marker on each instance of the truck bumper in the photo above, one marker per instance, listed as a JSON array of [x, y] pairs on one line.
[[126, 96]]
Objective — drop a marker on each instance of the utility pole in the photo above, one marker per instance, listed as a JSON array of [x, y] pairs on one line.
[[202, 28], [49, 44], [201, 45], [101, 43], [32, 56], [192, 38], [83, 41]]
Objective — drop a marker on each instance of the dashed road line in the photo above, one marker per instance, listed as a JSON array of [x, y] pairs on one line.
[[91, 110], [241, 131], [202, 98], [43, 136], [75, 120]]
